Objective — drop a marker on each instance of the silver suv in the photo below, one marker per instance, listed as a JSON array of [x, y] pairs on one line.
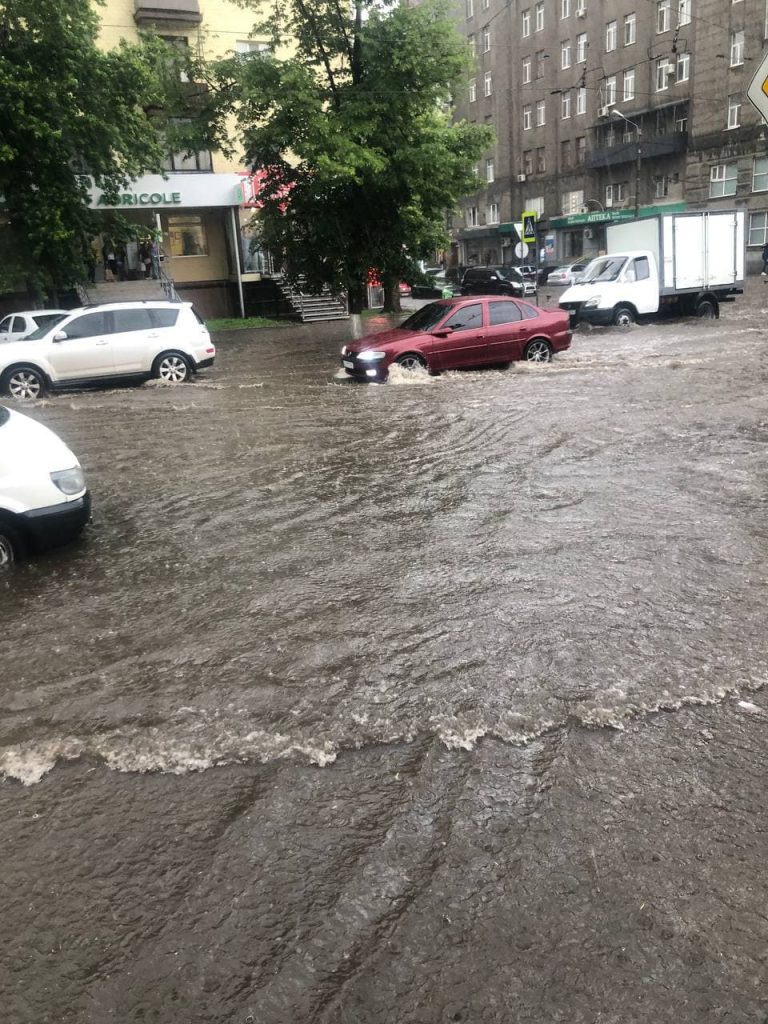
[[105, 343]]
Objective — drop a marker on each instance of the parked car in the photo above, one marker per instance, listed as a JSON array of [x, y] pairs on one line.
[[43, 497], [103, 343], [437, 285], [529, 271], [457, 333], [18, 325], [568, 274], [504, 280], [405, 289]]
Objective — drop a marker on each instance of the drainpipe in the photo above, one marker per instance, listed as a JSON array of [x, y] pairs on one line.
[[236, 243]]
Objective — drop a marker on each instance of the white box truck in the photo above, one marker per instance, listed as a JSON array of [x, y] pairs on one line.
[[676, 264]]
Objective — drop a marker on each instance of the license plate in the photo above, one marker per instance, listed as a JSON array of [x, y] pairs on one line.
[[348, 364]]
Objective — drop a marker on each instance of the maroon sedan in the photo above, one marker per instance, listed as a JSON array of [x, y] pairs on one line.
[[463, 332]]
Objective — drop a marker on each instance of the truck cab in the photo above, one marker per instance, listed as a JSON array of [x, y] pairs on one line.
[[615, 289]]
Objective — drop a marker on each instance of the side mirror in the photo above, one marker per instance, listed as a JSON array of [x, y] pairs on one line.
[[60, 336], [442, 332]]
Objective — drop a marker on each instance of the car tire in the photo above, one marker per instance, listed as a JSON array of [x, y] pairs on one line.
[[411, 361], [706, 310], [538, 350], [171, 367], [11, 546], [24, 383], [624, 316]]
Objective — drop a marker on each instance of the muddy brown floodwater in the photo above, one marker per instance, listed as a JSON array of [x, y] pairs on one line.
[[440, 700]]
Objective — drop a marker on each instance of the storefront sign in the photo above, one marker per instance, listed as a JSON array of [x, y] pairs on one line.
[[143, 199]]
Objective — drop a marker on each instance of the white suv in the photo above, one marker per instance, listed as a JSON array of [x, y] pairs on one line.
[[107, 342]]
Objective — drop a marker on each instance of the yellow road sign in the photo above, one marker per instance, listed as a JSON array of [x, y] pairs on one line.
[[758, 88]]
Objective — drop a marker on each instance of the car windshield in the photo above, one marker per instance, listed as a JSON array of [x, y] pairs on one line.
[[607, 269], [426, 318], [42, 331], [509, 272], [47, 319]]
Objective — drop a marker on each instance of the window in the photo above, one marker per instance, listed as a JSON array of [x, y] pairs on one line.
[[473, 218], [541, 112], [723, 179], [535, 204], [540, 58], [186, 236], [663, 72], [541, 160], [615, 193], [661, 187], [760, 174], [565, 154], [640, 269], [581, 7], [88, 326], [565, 8], [470, 8], [734, 110], [492, 213], [609, 91], [526, 70], [581, 150], [581, 47], [527, 117], [611, 36], [246, 47], [540, 16], [528, 161], [581, 100], [490, 171], [503, 313], [684, 12], [472, 90], [127, 320], [663, 15], [683, 70], [526, 23], [758, 229], [487, 83], [630, 29], [572, 202], [565, 54], [468, 318], [565, 105], [486, 39], [737, 49], [486, 4], [472, 46], [629, 84], [164, 317], [476, 170]]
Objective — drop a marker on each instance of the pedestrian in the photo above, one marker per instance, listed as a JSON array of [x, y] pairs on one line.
[[765, 260], [110, 261], [154, 254], [145, 258]]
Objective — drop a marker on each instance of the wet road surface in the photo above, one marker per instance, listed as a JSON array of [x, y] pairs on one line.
[[474, 664]]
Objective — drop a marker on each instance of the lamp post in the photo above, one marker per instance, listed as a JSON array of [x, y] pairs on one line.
[[639, 131]]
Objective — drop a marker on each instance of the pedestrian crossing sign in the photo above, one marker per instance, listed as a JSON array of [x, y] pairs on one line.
[[529, 226], [758, 88]]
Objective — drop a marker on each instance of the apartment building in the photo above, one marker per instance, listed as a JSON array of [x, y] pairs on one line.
[[607, 109], [200, 204]]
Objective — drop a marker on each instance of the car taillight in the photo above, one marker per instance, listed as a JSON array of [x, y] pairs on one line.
[[211, 349]]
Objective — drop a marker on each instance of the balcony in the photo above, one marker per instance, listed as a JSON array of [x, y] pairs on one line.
[[179, 12], [651, 148]]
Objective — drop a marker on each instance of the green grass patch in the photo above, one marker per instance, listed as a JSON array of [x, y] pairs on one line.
[[236, 324]]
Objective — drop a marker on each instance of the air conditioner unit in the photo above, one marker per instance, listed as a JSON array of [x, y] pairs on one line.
[[522, 177], [581, 13], [603, 111]]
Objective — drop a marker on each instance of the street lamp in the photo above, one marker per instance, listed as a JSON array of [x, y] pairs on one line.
[[639, 131]]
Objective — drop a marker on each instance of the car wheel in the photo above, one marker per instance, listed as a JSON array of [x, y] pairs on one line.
[[11, 547], [411, 361], [24, 383], [623, 316], [706, 310], [538, 351], [171, 367]]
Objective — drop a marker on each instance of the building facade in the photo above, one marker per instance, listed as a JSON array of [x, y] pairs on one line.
[[606, 109]]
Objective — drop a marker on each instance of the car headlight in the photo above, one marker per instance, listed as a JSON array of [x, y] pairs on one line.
[[593, 302], [344, 350], [370, 356], [69, 481]]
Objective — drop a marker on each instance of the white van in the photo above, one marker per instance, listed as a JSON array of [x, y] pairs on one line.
[[43, 497]]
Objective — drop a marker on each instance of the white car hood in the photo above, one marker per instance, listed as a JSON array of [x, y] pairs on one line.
[[578, 292], [24, 442]]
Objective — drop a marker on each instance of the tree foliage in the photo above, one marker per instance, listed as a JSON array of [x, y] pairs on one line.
[[360, 157], [69, 112]]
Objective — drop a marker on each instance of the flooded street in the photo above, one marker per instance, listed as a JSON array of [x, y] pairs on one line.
[[438, 700]]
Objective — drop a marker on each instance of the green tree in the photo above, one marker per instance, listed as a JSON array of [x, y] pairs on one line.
[[69, 112], [360, 157]]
